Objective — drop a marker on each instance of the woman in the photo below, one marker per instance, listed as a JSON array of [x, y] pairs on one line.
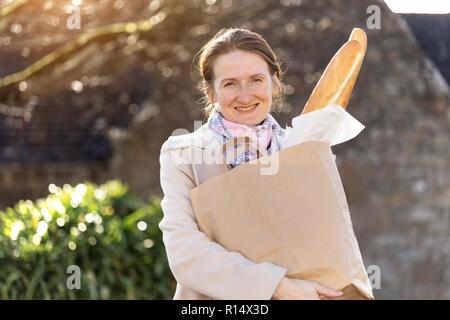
[[241, 80]]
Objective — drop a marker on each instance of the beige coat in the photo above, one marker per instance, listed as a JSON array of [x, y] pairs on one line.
[[203, 268]]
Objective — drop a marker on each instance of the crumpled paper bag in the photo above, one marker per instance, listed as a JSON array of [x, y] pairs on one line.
[[297, 218]]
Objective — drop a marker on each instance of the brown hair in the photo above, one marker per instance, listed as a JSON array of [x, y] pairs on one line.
[[228, 40]]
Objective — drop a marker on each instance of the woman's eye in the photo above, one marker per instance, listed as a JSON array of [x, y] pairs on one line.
[[257, 80], [228, 84]]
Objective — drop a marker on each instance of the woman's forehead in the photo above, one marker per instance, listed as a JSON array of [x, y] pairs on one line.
[[239, 64]]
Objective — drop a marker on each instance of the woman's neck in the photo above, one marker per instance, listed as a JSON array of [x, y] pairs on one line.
[[233, 123], [257, 133]]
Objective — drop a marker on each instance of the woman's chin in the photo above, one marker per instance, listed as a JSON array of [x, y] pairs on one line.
[[251, 118]]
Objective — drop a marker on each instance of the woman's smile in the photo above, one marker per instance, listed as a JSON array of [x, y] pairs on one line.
[[247, 109]]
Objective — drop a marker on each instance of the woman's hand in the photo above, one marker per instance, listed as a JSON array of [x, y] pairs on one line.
[[294, 289]]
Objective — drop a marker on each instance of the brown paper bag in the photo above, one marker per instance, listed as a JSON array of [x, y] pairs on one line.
[[297, 218]]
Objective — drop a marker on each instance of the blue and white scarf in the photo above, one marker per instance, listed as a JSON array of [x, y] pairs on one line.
[[215, 123]]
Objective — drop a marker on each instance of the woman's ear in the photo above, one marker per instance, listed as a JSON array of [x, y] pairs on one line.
[[276, 87], [210, 94]]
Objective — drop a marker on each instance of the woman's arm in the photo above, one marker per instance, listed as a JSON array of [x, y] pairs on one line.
[[197, 262]]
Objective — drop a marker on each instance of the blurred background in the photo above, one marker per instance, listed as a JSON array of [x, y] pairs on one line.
[[89, 91]]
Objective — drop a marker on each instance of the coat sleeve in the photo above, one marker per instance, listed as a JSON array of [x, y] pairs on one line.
[[197, 262]]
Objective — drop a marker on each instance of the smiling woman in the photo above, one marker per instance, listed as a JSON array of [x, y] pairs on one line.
[[241, 80], [419, 6]]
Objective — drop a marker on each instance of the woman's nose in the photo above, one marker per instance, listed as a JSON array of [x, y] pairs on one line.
[[245, 95]]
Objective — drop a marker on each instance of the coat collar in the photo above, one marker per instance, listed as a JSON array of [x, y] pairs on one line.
[[204, 138]]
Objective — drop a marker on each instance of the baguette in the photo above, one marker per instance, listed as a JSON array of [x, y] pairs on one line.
[[336, 83]]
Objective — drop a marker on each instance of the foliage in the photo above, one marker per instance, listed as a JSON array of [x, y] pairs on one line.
[[111, 235]]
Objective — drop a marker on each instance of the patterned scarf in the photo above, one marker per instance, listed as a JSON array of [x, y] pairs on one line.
[[215, 123]]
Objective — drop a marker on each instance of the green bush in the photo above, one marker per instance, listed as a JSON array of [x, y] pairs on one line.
[[110, 234]]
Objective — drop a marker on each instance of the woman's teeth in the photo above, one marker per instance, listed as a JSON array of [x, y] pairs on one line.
[[247, 108]]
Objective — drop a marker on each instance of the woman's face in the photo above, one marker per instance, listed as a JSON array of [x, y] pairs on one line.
[[243, 87]]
